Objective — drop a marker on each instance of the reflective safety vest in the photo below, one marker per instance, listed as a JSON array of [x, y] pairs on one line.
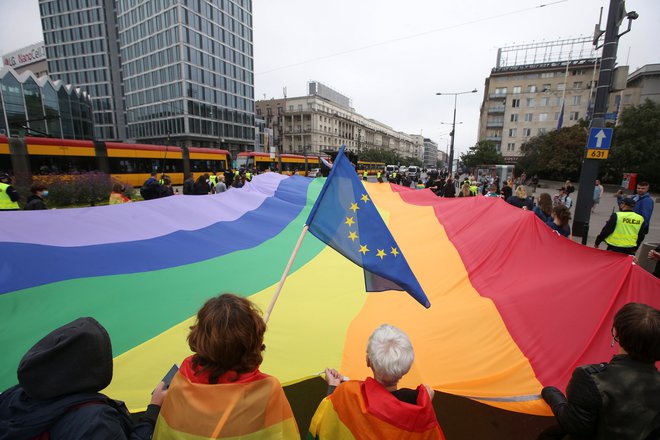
[[161, 181], [473, 190], [365, 174], [236, 173], [248, 176], [213, 179], [393, 175], [378, 175], [628, 224], [5, 201]]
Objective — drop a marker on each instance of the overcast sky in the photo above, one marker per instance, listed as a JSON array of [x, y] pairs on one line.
[[391, 57]]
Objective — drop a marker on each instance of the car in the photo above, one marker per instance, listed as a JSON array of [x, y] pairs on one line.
[[403, 169]]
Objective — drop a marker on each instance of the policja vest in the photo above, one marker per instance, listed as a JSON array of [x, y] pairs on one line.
[[474, 189], [628, 224], [5, 200], [248, 176], [365, 174], [213, 179]]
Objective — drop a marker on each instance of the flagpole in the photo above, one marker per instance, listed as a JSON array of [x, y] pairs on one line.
[[286, 273]]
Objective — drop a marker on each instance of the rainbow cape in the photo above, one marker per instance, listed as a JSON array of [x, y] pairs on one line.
[[515, 306], [366, 410], [256, 409]]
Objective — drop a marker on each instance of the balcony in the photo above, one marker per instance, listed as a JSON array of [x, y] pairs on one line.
[[495, 124], [496, 110], [494, 138], [497, 96]]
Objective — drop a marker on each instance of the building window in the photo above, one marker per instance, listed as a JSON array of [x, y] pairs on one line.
[[515, 103], [542, 130], [556, 116], [547, 74], [543, 117], [511, 146], [514, 117], [545, 102], [531, 88], [577, 85], [577, 99], [527, 132], [545, 88], [561, 86], [500, 91], [513, 132], [528, 117], [517, 89], [531, 102], [574, 116], [626, 99], [576, 72]]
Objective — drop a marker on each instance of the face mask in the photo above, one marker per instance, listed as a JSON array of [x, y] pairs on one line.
[[44, 194]]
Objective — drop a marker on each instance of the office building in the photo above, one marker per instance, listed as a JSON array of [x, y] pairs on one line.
[[31, 106], [177, 72], [532, 87], [430, 153], [643, 84], [81, 48], [324, 121]]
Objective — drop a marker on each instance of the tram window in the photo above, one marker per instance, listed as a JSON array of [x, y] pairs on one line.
[[5, 163], [62, 164]]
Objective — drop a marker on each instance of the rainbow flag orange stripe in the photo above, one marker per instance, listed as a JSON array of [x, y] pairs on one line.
[[253, 410], [366, 410]]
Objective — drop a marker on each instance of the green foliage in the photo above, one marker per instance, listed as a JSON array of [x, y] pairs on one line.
[[87, 189], [636, 144], [482, 153], [555, 155]]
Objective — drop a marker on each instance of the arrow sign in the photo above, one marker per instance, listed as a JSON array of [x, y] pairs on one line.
[[600, 138]]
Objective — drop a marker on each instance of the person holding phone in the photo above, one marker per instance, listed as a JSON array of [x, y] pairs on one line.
[[58, 392], [219, 391]]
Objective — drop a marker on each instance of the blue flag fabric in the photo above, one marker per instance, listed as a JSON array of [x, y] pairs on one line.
[[345, 218], [560, 122]]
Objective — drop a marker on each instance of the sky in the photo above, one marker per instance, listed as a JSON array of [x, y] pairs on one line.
[[392, 57]]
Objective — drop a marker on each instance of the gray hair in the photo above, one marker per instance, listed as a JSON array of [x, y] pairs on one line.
[[390, 354]]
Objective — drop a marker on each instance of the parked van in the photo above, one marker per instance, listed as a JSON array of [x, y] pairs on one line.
[[403, 169], [413, 171], [390, 169]]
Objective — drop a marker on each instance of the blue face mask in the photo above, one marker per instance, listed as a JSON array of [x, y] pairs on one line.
[[44, 193]]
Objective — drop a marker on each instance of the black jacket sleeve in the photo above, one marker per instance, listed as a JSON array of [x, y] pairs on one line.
[[609, 227], [13, 194], [577, 413]]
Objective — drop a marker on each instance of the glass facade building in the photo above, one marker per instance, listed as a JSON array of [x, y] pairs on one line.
[[184, 67], [31, 106], [81, 46]]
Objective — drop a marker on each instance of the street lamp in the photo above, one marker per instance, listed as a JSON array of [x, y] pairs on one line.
[[453, 126]]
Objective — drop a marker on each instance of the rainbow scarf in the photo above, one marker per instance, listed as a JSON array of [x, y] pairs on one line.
[[254, 407], [366, 410]]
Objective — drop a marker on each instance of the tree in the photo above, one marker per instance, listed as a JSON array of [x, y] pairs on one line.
[[482, 153], [636, 144], [557, 154]]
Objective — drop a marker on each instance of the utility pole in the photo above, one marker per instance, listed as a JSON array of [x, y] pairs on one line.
[[281, 120], [589, 171]]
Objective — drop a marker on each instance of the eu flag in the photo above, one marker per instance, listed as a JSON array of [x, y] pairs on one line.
[[345, 218]]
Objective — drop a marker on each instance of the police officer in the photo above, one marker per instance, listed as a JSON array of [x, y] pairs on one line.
[[379, 176], [622, 232], [8, 195], [365, 173], [248, 175]]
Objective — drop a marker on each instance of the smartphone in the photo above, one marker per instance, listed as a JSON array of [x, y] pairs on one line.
[[170, 375]]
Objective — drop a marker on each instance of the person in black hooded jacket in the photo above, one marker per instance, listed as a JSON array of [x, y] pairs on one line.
[[58, 392]]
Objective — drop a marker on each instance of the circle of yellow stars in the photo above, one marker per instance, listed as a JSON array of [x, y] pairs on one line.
[[352, 235]]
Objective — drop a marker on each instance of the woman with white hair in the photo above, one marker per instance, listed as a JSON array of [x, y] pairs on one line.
[[376, 408], [520, 199]]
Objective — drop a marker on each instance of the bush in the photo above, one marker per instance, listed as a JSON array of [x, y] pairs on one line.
[[87, 189]]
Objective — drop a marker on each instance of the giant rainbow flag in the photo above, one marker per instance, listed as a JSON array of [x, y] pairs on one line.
[[515, 306]]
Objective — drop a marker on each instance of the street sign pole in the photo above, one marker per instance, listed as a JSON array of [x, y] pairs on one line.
[[589, 172]]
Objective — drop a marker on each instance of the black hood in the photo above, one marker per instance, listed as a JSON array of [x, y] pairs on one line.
[[75, 358]]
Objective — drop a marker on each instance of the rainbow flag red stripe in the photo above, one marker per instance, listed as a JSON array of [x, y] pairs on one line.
[[249, 411], [366, 410]]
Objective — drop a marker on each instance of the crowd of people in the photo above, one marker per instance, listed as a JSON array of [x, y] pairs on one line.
[[219, 390]]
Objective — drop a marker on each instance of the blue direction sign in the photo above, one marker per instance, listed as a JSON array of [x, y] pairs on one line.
[[600, 138]]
